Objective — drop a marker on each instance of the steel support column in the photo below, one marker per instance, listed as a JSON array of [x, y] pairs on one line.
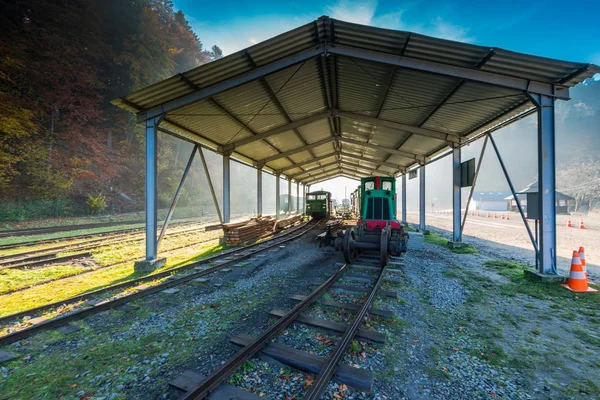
[[456, 184], [176, 197], [403, 198], [297, 198], [289, 205], [151, 186], [306, 192], [546, 183], [226, 190], [259, 192], [277, 200], [422, 198]]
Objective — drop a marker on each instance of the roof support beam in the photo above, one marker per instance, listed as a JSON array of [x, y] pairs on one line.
[[326, 175], [230, 83], [341, 174], [364, 168], [460, 84], [383, 163], [311, 161], [470, 74], [273, 98], [448, 137], [294, 151], [275, 131], [309, 170], [388, 150], [324, 170]]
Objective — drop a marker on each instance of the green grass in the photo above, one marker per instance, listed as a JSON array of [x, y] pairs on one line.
[[434, 238], [69, 287], [562, 299], [13, 279]]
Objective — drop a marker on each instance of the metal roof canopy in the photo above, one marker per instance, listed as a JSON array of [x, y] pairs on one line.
[[331, 98], [387, 100]]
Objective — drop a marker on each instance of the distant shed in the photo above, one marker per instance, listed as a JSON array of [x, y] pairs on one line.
[[562, 200], [490, 201]]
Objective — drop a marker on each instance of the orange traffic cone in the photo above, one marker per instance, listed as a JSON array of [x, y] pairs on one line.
[[478, 214], [508, 217], [488, 215], [569, 224], [495, 216], [582, 258], [578, 281], [472, 213], [581, 225], [502, 215]]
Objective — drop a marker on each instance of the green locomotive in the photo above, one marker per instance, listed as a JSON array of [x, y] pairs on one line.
[[377, 228], [318, 204]]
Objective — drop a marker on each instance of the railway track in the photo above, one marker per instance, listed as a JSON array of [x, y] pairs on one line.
[[51, 255], [325, 368], [100, 235], [165, 252], [176, 276]]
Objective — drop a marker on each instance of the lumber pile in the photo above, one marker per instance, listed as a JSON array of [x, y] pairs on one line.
[[248, 231], [286, 223]]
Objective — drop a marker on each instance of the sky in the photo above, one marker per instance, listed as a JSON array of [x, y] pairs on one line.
[[544, 28]]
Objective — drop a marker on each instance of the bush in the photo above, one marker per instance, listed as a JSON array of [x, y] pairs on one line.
[[96, 204]]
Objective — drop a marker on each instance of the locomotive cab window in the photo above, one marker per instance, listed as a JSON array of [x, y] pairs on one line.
[[369, 185], [386, 185], [321, 197], [311, 197]]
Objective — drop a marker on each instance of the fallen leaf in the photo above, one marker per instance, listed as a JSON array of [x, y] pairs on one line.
[[308, 382], [338, 395]]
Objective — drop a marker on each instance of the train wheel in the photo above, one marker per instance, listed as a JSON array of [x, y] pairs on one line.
[[350, 251], [384, 246]]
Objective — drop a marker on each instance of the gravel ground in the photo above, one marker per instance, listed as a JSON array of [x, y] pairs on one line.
[[456, 334]]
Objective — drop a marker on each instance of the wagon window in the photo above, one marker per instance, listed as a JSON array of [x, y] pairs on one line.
[[386, 185], [311, 197], [321, 197], [369, 185]]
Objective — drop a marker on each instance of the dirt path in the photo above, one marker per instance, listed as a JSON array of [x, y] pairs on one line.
[[510, 237]]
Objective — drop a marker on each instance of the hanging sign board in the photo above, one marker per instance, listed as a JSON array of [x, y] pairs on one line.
[[533, 206], [412, 174], [467, 173]]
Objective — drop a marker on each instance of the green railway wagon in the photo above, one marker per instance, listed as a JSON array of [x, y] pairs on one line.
[[318, 204]]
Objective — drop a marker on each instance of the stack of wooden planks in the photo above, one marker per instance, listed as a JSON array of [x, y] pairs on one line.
[[286, 223], [247, 231]]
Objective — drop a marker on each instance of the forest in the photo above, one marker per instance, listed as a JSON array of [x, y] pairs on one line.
[[61, 63]]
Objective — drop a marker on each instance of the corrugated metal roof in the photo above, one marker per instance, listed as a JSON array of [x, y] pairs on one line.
[[404, 108]]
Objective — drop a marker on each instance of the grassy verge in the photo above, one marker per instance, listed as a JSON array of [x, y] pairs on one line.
[[434, 238], [586, 303]]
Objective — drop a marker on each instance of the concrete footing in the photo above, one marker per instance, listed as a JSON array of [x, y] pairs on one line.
[[455, 245], [149, 265], [540, 277]]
